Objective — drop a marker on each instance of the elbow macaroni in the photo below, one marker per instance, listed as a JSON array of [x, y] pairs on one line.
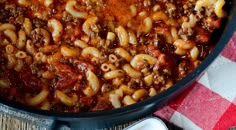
[[57, 29], [93, 84], [81, 44], [27, 25], [11, 35], [123, 36], [10, 49], [70, 9], [21, 54], [30, 47], [217, 5], [47, 3], [69, 101], [115, 101], [147, 25], [91, 51], [128, 100], [113, 74], [88, 24], [21, 39], [6, 26], [24, 2], [132, 38], [218, 8], [139, 94], [123, 53], [140, 59], [39, 98], [66, 51], [131, 72]]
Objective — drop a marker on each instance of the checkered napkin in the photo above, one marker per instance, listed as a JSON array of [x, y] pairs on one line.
[[210, 103]]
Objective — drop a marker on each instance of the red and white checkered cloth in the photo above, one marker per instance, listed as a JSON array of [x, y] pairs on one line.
[[211, 102]]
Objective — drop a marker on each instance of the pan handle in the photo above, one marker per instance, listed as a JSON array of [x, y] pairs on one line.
[[60, 125], [72, 125]]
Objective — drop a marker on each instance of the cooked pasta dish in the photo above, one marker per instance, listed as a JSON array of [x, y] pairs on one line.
[[94, 55]]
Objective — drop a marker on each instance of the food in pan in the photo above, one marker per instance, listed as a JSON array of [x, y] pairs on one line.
[[93, 55]]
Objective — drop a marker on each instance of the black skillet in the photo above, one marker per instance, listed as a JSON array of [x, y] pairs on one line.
[[105, 119]]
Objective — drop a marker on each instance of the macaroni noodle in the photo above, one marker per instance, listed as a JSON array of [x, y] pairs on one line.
[[70, 8]]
